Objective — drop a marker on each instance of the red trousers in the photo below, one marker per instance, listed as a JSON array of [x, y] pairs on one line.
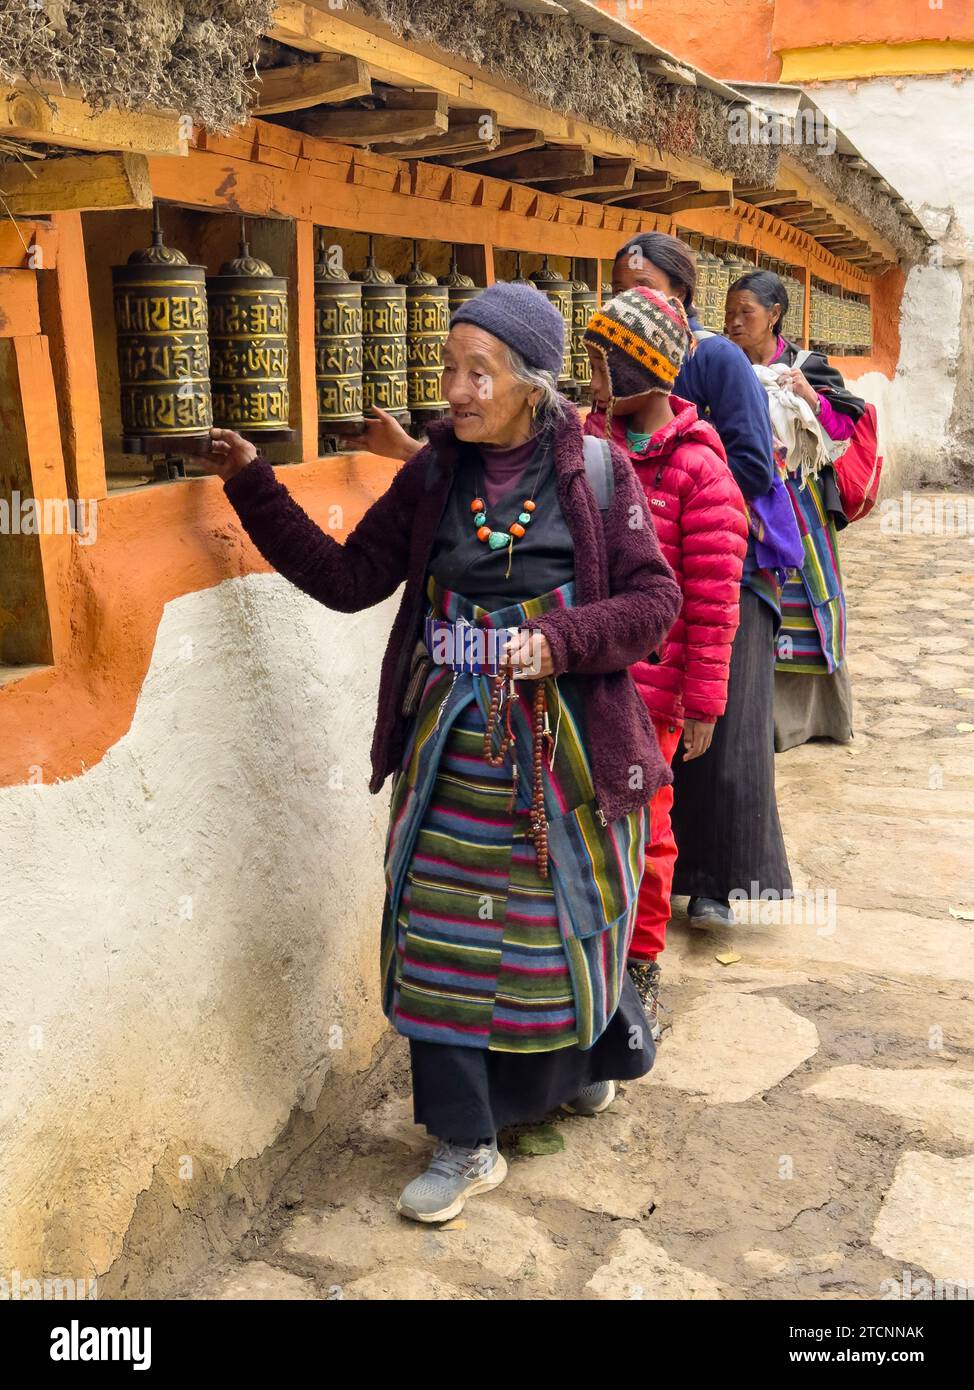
[[653, 907]]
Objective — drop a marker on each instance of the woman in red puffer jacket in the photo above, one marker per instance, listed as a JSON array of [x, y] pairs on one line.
[[636, 344]]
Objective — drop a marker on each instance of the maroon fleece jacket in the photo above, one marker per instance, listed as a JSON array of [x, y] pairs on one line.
[[625, 595]]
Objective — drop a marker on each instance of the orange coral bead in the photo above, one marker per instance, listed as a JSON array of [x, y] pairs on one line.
[[477, 505], [516, 529], [483, 533], [529, 506]]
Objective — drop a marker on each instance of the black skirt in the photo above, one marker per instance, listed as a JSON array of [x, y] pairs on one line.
[[725, 816], [466, 1094]]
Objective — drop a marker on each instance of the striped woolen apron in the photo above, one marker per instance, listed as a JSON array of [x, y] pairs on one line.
[[811, 639], [477, 948]]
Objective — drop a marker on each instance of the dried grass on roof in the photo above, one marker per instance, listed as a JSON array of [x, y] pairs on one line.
[[568, 68], [190, 56], [856, 189]]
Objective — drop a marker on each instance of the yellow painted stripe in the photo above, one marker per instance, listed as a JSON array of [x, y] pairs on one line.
[[864, 60]]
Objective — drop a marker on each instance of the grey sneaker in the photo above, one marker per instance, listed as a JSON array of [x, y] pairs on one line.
[[593, 1100], [454, 1175], [645, 976]]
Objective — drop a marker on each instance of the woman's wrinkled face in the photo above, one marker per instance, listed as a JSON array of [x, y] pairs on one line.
[[748, 323], [634, 268], [488, 405]]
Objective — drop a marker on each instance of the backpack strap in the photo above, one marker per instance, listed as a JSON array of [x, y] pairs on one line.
[[598, 470], [802, 358]]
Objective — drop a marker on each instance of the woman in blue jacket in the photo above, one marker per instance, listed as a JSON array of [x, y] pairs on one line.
[[725, 816]]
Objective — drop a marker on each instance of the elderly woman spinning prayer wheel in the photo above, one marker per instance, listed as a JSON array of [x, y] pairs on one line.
[[522, 757]]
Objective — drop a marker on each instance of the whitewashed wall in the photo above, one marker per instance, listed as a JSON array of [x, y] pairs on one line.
[[189, 931]]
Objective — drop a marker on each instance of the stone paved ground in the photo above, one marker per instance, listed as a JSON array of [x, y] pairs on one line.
[[808, 1130]]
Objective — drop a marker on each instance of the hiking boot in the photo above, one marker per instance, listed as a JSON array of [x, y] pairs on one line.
[[593, 1100], [710, 912], [454, 1175], [645, 976]]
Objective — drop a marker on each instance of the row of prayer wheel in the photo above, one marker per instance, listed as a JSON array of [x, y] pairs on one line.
[[576, 302], [715, 275], [840, 323], [195, 351]]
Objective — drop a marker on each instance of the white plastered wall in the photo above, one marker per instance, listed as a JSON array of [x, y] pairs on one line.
[[919, 133], [189, 930]]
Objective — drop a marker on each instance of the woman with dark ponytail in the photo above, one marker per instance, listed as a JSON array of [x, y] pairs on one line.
[[725, 816], [812, 692]]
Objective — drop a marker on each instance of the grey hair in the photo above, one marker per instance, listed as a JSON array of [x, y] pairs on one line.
[[551, 406]]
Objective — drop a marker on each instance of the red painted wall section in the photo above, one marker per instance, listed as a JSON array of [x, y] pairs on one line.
[[727, 38], [809, 23]]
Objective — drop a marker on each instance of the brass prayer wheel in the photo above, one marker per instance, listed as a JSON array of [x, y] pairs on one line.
[[384, 381], [461, 287], [427, 324], [584, 304], [163, 353], [559, 293], [248, 344], [710, 293], [338, 346], [793, 325], [719, 285]]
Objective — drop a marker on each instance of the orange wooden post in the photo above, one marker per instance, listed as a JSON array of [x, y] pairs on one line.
[[66, 319], [34, 578], [477, 261], [304, 331], [806, 271]]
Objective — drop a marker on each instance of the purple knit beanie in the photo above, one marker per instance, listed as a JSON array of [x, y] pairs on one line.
[[523, 318]]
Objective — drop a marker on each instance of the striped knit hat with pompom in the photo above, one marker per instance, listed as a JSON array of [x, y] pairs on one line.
[[644, 337]]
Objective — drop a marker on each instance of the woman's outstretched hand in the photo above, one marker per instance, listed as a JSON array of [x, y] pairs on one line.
[[228, 453], [386, 437]]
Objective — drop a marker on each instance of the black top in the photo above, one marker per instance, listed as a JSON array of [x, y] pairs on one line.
[[542, 559]]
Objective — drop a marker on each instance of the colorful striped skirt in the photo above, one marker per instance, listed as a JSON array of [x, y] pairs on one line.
[[478, 950]]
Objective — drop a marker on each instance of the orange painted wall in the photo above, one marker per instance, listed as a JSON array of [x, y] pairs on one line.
[[153, 545], [807, 23], [742, 38], [727, 38]]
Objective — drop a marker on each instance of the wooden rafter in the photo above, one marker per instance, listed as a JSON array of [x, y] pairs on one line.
[[611, 176], [646, 186], [463, 136], [809, 186], [762, 197], [308, 84], [411, 65], [510, 142], [703, 198], [398, 121], [541, 166], [77, 183], [69, 121]]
